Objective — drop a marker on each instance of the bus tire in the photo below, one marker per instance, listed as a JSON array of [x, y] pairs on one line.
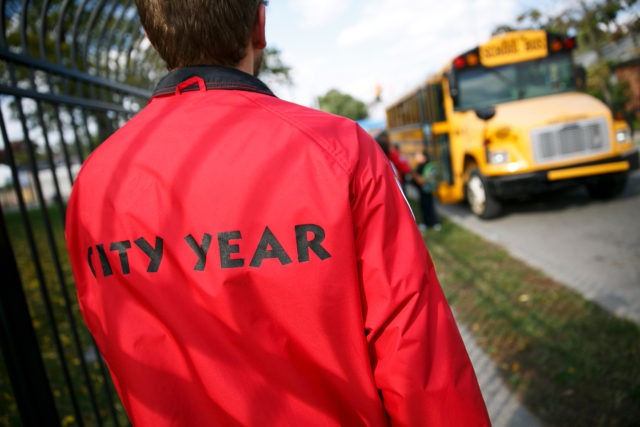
[[608, 186], [481, 202]]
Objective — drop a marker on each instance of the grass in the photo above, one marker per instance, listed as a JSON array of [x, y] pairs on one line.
[[571, 362]]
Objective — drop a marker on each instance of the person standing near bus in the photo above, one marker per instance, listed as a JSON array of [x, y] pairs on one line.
[[425, 178], [244, 261], [399, 163]]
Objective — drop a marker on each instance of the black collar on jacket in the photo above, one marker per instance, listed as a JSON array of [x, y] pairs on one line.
[[222, 78]]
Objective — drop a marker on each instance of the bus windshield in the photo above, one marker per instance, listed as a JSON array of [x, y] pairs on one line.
[[481, 87]]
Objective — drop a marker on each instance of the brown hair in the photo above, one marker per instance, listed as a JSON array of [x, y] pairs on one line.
[[199, 32]]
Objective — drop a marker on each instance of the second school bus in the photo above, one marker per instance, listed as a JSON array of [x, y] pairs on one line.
[[507, 119]]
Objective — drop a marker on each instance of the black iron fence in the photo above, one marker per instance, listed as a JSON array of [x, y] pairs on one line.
[[70, 74]]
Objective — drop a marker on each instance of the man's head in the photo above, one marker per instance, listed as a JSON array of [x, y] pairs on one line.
[[383, 140], [205, 32]]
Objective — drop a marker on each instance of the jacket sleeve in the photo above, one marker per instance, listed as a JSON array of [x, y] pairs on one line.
[[400, 164], [419, 362]]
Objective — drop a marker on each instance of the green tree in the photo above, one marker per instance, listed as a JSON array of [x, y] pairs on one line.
[[343, 104], [594, 23], [273, 67]]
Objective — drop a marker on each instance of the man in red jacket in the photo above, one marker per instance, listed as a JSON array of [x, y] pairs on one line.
[[399, 163], [244, 261]]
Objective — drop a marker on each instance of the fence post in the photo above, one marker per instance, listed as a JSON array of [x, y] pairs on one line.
[[19, 345]]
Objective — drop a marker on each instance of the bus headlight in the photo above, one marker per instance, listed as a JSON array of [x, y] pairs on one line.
[[623, 135], [498, 157]]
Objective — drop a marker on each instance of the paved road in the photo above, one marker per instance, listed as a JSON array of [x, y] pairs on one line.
[[591, 246]]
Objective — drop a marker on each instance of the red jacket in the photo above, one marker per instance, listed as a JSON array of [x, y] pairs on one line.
[[401, 164], [244, 261]]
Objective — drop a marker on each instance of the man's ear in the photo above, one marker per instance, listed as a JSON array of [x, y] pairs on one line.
[[259, 38]]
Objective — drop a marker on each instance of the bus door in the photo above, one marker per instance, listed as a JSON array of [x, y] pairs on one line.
[[437, 142]]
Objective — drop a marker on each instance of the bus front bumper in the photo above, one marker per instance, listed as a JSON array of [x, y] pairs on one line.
[[514, 186]]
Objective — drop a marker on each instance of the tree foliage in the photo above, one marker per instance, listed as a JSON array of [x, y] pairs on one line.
[[273, 67], [343, 104], [594, 24]]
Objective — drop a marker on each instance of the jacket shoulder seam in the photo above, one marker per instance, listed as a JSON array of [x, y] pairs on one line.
[[318, 139]]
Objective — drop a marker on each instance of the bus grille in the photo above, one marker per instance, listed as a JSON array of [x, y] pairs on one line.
[[570, 141]]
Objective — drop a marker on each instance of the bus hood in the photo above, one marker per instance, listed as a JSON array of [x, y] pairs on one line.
[[548, 110]]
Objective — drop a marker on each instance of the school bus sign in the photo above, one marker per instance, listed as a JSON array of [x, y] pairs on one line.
[[513, 47]]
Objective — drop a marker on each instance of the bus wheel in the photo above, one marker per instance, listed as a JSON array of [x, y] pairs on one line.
[[481, 202], [607, 186]]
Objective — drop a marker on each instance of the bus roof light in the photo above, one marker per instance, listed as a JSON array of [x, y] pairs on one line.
[[472, 60], [556, 45], [570, 43], [459, 62]]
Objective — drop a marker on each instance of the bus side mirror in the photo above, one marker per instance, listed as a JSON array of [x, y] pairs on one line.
[[486, 113], [581, 78]]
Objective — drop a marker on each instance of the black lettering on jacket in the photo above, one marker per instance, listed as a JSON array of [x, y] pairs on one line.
[[90, 260], [304, 244], [226, 249], [268, 240], [154, 254], [104, 262], [200, 250], [122, 248], [309, 238]]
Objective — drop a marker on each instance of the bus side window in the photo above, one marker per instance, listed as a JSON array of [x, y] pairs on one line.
[[435, 98]]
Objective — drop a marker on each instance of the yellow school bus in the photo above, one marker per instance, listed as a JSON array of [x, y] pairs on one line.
[[507, 119]]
